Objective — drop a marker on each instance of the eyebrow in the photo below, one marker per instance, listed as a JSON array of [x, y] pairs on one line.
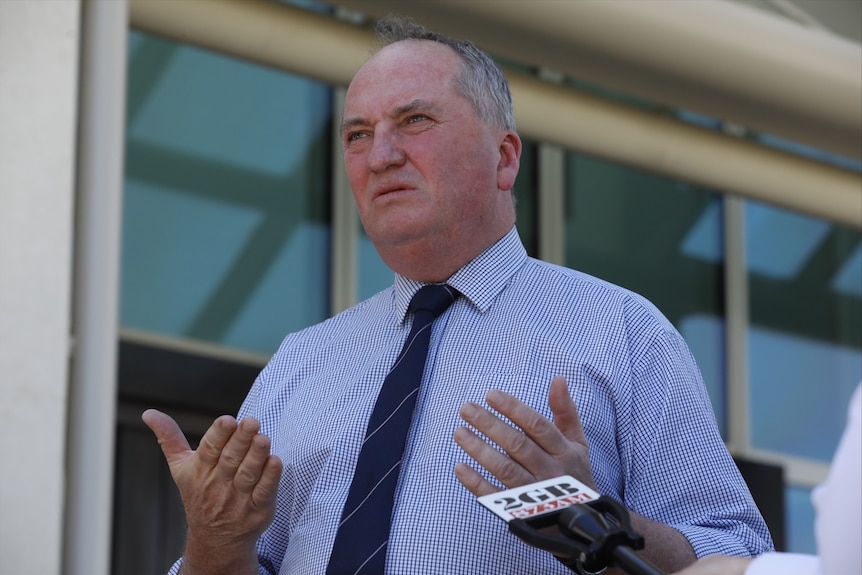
[[418, 104], [352, 123]]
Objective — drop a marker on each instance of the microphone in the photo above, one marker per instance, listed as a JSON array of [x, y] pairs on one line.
[[593, 532], [584, 522]]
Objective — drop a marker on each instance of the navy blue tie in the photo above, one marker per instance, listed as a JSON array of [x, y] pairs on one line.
[[360, 544]]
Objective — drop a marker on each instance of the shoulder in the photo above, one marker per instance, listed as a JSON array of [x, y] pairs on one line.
[[561, 286], [379, 308]]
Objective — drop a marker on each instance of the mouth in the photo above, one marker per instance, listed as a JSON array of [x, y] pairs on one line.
[[392, 190]]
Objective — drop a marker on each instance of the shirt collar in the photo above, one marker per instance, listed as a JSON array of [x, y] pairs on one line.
[[480, 281]]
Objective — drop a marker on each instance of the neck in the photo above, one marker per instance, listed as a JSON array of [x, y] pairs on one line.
[[434, 262]]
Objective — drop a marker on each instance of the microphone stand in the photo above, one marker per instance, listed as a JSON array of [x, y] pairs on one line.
[[590, 541]]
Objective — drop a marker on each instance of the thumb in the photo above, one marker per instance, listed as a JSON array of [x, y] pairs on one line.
[[566, 417], [174, 444]]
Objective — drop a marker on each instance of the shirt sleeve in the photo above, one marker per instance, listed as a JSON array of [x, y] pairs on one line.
[[784, 564], [838, 500], [681, 472]]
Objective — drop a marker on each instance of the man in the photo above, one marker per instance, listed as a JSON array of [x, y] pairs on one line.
[[432, 155]]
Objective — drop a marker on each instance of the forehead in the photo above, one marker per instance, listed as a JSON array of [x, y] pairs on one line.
[[401, 72]]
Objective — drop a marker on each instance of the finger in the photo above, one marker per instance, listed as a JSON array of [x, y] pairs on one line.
[[251, 468], [508, 471], [236, 448], [507, 437], [214, 440], [473, 481], [173, 442], [568, 421], [566, 416], [265, 491], [544, 435]]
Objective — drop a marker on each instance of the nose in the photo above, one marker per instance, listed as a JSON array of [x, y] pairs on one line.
[[386, 151]]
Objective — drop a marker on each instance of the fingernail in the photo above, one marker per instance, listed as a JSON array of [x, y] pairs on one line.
[[494, 396], [469, 410]]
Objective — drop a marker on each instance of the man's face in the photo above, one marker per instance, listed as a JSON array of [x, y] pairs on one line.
[[422, 166]]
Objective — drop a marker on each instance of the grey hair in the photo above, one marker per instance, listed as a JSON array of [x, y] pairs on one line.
[[480, 81]]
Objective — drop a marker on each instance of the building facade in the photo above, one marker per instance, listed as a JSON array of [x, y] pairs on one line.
[[172, 203]]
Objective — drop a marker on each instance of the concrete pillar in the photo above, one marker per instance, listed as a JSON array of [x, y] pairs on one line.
[[38, 107]]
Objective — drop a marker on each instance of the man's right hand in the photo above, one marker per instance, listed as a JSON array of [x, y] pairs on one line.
[[228, 487]]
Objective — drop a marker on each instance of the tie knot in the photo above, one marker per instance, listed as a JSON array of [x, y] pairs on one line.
[[434, 298]]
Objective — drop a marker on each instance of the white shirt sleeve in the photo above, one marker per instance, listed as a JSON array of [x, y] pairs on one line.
[[784, 564], [838, 500], [838, 507]]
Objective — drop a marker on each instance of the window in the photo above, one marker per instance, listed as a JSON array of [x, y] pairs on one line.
[[226, 219], [660, 238], [804, 342]]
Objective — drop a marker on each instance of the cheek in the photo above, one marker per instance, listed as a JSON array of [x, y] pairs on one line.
[[357, 174], [455, 161], [471, 173], [477, 199]]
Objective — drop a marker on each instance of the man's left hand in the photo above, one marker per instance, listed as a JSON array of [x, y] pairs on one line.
[[538, 450]]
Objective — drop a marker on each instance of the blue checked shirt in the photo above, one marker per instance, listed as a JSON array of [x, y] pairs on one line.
[[654, 444]]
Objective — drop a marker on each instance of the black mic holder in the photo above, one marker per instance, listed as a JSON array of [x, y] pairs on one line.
[[590, 542]]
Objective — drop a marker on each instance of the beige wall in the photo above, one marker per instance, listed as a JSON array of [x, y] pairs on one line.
[[38, 95]]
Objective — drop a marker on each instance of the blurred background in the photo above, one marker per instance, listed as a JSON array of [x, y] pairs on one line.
[[172, 203]]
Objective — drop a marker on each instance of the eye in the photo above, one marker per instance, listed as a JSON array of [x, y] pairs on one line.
[[416, 118], [354, 136]]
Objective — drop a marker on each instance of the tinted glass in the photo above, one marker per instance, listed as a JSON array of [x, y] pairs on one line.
[[660, 238], [226, 209]]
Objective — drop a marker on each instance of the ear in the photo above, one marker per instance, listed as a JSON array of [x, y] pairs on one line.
[[510, 160]]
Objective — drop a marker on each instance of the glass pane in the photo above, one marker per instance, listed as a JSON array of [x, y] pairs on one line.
[[226, 198], [660, 238], [526, 198], [800, 520], [374, 274], [805, 338]]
